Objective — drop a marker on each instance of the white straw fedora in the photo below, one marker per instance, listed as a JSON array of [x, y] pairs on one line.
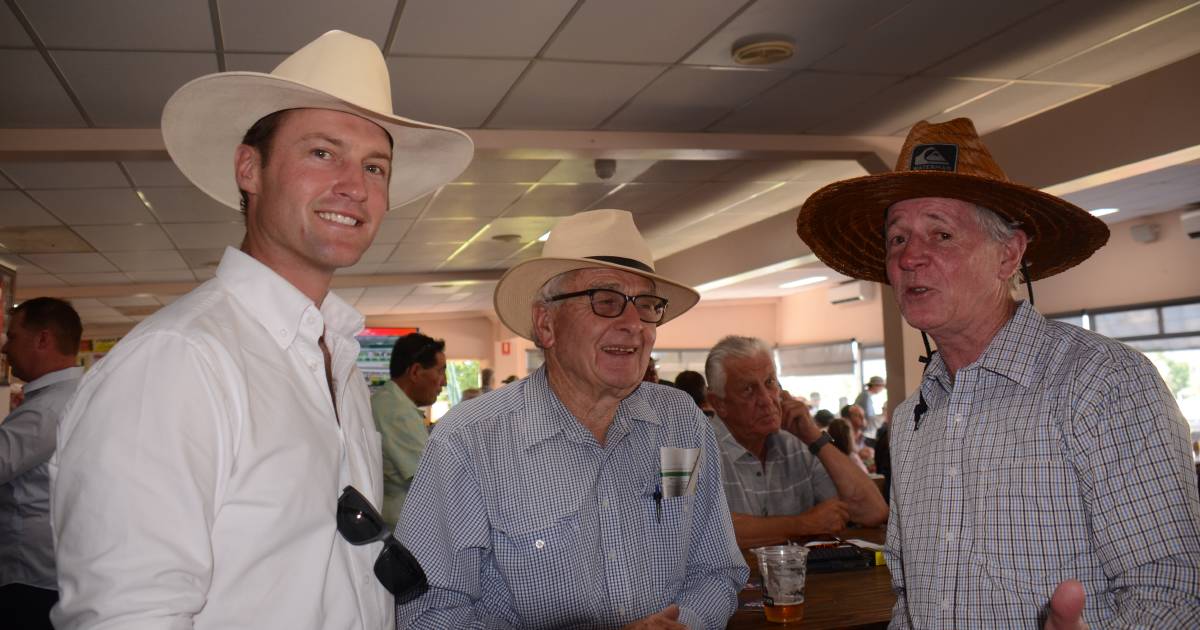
[[205, 120], [597, 238]]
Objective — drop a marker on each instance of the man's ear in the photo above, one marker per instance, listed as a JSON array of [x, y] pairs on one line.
[[414, 370], [1011, 253], [543, 326], [44, 339], [718, 404], [247, 168]]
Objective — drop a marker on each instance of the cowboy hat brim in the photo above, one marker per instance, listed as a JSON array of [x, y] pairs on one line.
[[519, 286], [843, 222], [205, 120]]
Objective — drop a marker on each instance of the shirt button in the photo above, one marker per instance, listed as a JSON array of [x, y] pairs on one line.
[[612, 556], [945, 605], [604, 503], [952, 471], [282, 332], [539, 543], [758, 474], [949, 536], [958, 417]]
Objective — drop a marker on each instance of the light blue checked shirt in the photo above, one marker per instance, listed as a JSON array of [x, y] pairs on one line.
[[522, 520], [1058, 454]]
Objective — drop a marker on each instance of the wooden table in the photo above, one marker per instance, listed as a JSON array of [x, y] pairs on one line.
[[846, 599]]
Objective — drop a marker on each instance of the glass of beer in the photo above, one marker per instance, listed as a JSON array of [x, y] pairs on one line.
[[783, 569]]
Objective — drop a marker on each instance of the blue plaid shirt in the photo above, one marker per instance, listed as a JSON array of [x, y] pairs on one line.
[[1058, 454], [522, 520]]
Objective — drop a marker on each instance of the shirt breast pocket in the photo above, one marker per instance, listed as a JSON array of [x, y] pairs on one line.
[[538, 563], [669, 527]]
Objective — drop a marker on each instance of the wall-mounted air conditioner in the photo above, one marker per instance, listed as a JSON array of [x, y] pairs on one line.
[[1191, 223], [851, 291]]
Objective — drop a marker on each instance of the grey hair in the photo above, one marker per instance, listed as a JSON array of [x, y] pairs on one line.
[[999, 230], [731, 347], [550, 288]]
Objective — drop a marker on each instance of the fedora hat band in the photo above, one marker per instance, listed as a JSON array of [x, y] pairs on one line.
[[624, 262]]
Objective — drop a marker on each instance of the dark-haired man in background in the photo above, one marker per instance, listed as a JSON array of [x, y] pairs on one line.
[[418, 369], [43, 341]]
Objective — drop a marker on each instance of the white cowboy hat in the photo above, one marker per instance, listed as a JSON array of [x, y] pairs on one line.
[[593, 239], [205, 120]]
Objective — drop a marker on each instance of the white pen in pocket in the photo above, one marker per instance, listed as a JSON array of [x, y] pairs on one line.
[[677, 471]]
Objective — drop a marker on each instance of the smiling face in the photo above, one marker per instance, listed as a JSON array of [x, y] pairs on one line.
[[317, 202], [950, 277], [749, 406], [597, 356]]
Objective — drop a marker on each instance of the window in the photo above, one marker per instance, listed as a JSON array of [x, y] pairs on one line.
[[460, 375], [671, 362], [831, 375]]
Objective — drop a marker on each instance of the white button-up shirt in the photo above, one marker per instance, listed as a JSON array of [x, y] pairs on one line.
[[26, 443], [199, 467]]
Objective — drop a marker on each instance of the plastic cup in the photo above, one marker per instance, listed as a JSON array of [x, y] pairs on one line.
[[783, 569]]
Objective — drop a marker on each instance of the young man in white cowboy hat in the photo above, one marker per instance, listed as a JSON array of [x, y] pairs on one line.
[[1040, 473], [579, 496], [200, 464]]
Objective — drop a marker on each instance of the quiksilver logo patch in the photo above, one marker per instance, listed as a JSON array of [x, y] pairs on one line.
[[934, 157]]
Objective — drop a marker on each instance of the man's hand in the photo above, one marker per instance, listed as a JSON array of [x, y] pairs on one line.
[[665, 619], [828, 517], [1066, 607], [796, 418]]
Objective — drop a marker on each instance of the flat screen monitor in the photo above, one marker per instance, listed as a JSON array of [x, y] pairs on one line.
[[375, 353]]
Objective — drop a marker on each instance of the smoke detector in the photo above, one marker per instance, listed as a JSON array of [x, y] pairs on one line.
[[762, 50]]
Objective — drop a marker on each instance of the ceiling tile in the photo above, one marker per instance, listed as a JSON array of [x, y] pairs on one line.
[[525, 228], [557, 200], [712, 198], [20, 264], [33, 97], [389, 292], [412, 209], [687, 171], [817, 28], [12, 34], [93, 279], [287, 25], [584, 171], [17, 209], [253, 62], [147, 261], [422, 252], [161, 276], [350, 294], [97, 206], [360, 268], [71, 263], [802, 102], [777, 199], [1060, 31], [42, 240], [50, 175], [468, 28], [377, 253], [155, 174], [415, 265], [644, 197], [125, 238], [188, 205], [916, 37], [451, 230], [130, 300], [206, 235], [122, 24], [689, 99], [203, 275], [765, 171], [505, 171], [202, 258], [39, 280], [558, 95], [392, 230], [129, 89], [454, 92], [898, 107], [1150, 48], [648, 30], [1012, 103], [474, 200]]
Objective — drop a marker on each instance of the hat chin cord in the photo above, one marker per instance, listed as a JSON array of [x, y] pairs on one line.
[[922, 406]]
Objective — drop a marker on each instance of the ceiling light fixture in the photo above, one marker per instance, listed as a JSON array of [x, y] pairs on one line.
[[762, 50], [545, 237], [803, 282], [1101, 212]]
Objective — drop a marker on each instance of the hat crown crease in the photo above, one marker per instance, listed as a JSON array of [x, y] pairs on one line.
[[344, 65]]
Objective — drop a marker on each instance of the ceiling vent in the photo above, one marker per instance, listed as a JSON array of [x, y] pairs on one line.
[[762, 50]]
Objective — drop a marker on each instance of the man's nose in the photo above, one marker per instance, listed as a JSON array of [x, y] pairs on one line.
[[352, 182]]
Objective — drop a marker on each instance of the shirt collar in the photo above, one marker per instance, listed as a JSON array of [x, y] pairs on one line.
[[557, 419], [1011, 353], [279, 306], [50, 378], [729, 444]]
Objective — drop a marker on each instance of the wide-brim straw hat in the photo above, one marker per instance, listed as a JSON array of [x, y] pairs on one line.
[[205, 120], [843, 222], [592, 239]]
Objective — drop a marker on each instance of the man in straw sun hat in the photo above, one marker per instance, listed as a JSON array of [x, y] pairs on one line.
[[579, 496], [1041, 474], [220, 468]]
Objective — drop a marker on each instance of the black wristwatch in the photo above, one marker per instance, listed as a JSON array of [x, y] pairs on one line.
[[816, 445]]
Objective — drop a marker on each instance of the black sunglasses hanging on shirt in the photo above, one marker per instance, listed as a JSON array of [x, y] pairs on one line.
[[360, 524]]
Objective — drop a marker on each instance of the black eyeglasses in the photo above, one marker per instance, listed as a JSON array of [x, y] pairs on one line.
[[610, 303], [360, 524]]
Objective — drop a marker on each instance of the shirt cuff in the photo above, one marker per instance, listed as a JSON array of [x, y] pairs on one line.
[[691, 619]]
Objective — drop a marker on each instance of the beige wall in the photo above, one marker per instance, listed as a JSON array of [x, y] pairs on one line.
[[708, 322], [466, 337], [1127, 272], [808, 317]]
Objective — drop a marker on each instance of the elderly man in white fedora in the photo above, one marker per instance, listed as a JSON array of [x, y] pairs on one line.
[[220, 468], [579, 496], [1040, 472]]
